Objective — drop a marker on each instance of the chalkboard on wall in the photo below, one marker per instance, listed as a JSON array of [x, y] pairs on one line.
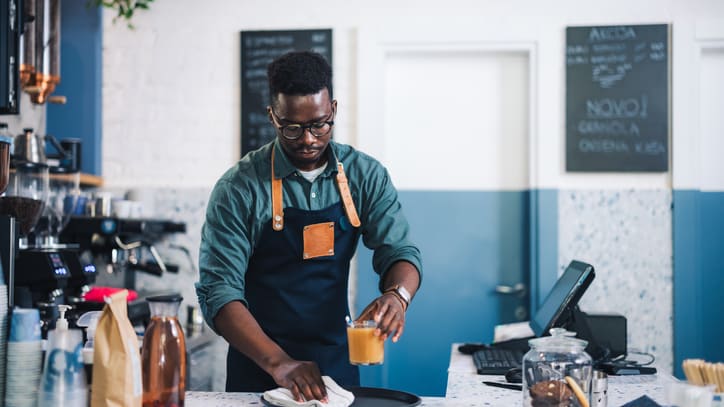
[[617, 98], [258, 49]]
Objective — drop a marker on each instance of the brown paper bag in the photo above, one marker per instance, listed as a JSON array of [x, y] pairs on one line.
[[116, 358]]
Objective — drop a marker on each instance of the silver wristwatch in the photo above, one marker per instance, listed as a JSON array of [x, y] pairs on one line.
[[402, 292]]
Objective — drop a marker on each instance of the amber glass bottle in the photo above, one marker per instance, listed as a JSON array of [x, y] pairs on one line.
[[163, 355]]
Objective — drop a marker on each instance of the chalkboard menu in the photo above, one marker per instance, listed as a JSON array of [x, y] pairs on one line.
[[617, 98], [258, 49]]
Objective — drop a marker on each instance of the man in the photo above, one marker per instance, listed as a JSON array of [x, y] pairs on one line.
[[281, 227]]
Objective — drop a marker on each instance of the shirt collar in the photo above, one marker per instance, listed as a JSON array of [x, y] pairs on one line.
[[284, 168]]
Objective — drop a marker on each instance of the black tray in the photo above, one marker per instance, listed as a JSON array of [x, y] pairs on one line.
[[372, 396], [376, 397]]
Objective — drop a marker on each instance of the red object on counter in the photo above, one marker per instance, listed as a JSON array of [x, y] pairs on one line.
[[98, 294]]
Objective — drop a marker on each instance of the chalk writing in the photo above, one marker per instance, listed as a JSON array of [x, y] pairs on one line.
[[617, 108], [613, 33], [609, 128], [617, 94]]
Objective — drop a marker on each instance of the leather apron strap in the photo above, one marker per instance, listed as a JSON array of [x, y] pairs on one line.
[[349, 208], [278, 198]]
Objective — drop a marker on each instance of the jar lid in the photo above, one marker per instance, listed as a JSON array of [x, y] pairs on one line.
[[560, 338], [166, 298], [6, 139], [28, 166]]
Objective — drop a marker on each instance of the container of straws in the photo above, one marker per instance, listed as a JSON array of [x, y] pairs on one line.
[[704, 385]]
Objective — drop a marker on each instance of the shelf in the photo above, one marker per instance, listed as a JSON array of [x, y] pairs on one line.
[[86, 180], [90, 180]]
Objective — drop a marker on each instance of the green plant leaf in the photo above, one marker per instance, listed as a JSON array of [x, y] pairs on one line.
[[124, 8]]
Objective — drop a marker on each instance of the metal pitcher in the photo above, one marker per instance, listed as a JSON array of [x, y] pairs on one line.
[[30, 147]]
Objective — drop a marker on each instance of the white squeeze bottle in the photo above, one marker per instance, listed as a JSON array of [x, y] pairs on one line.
[[89, 321], [64, 381]]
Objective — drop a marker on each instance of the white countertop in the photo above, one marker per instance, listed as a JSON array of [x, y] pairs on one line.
[[465, 385], [465, 388], [209, 399]]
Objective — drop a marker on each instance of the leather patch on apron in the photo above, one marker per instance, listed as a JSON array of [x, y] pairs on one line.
[[318, 240]]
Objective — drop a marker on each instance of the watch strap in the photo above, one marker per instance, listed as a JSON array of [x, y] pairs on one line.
[[401, 293]]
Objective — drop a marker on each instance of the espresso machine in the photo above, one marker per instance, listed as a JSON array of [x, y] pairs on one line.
[[120, 248]]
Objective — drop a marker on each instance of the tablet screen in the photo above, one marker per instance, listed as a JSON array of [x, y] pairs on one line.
[[562, 298]]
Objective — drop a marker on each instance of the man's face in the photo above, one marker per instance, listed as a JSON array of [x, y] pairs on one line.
[[307, 151]]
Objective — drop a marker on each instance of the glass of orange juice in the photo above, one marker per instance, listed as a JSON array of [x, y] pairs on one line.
[[364, 347]]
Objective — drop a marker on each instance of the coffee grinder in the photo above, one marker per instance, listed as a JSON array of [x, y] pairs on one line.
[[43, 267]]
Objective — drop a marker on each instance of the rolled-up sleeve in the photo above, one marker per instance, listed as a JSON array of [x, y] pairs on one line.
[[225, 250], [385, 229]]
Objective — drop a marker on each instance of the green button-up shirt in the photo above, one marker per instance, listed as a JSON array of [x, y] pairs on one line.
[[240, 206]]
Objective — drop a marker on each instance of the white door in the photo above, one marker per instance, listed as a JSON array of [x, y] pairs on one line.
[[449, 117]]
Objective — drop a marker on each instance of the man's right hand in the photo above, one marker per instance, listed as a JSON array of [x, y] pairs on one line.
[[238, 326], [302, 378]]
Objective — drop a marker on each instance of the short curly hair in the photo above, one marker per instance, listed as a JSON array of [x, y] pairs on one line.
[[299, 73]]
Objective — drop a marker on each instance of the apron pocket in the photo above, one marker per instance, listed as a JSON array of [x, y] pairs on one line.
[[318, 240]]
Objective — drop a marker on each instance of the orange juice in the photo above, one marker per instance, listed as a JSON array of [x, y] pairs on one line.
[[364, 347]]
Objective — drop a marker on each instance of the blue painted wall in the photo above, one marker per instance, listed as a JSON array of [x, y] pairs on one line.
[[698, 227], [467, 246], [81, 82], [544, 244]]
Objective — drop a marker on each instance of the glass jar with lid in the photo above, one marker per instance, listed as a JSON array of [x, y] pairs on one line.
[[557, 371]]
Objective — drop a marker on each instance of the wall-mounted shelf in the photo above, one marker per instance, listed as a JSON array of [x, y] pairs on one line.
[[90, 181], [86, 180]]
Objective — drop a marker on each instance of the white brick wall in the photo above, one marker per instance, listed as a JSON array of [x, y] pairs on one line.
[[171, 89]]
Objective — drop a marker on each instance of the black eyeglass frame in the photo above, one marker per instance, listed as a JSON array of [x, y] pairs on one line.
[[303, 127]]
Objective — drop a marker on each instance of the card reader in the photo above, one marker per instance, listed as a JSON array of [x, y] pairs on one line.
[[622, 370]]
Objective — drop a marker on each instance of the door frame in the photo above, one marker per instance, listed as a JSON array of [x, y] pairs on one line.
[[374, 44], [689, 271]]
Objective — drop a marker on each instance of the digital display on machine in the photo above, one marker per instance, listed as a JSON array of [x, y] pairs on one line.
[[56, 260], [57, 263]]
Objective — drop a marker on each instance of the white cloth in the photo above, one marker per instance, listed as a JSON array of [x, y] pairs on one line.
[[336, 396]]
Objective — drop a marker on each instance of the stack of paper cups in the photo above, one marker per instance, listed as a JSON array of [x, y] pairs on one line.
[[3, 336], [24, 358]]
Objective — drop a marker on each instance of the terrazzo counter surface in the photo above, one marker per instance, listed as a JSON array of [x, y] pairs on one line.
[[464, 385], [465, 388], [210, 399]]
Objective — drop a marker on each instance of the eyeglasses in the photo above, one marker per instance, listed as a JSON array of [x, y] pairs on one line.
[[295, 130]]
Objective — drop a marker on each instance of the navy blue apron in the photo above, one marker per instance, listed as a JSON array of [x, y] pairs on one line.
[[300, 303]]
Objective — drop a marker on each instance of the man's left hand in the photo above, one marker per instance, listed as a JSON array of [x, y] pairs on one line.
[[389, 314]]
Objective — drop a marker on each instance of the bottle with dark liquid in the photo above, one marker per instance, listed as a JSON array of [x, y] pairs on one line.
[[163, 355]]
